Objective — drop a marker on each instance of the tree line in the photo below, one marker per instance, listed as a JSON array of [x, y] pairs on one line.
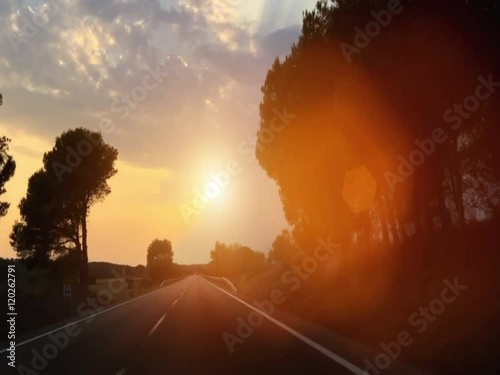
[[381, 108], [235, 261]]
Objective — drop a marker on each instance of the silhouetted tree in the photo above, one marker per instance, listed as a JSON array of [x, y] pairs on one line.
[[7, 168], [370, 106], [44, 232], [55, 210], [235, 261], [284, 249], [79, 166], [160, 259]]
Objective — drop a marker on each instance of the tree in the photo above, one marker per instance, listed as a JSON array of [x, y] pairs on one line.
[[360, 108], [235, 261], [7, 168], [284, 250], [44, 233], [55, 211], [160, 259], [80, 165]]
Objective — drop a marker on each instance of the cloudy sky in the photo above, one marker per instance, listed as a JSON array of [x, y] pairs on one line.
[[86, 62]]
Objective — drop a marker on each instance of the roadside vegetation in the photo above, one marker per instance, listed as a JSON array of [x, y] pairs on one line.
[[368, 112]]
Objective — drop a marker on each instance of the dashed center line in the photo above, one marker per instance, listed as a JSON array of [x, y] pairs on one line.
[[157, 324], [94, 314], [178, 298], [165, 315], [122, 370]]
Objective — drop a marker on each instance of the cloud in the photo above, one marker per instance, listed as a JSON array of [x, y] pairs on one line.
[[90, 54], [90, 50]]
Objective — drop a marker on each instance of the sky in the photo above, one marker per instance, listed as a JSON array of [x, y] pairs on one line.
[[85, 62]]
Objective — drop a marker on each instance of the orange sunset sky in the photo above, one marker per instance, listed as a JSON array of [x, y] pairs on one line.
[[77, 70]]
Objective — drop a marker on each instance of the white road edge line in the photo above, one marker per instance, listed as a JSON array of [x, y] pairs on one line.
[[81, 320], [335, 357]]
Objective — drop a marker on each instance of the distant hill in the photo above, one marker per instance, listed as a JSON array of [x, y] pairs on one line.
[[105, 270]]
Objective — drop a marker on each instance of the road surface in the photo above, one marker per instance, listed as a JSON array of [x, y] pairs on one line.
[[178, 329]]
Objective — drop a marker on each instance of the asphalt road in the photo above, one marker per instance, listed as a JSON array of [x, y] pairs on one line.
[[179, 330]]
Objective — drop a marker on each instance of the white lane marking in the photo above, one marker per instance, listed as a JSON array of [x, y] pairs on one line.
[[155, 327], [178, 298], [157, 324], [83, 319], [335, 357], [164, 316]]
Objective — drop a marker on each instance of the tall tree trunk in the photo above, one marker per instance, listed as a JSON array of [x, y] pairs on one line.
[[459, 200], [429, 218], [484, 190], [364, 226], [78, 245], [84, 269], [399, 209], [391, 217], [444, 214], [425, 205], [384, 222], [457, 189], [456, 179]]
